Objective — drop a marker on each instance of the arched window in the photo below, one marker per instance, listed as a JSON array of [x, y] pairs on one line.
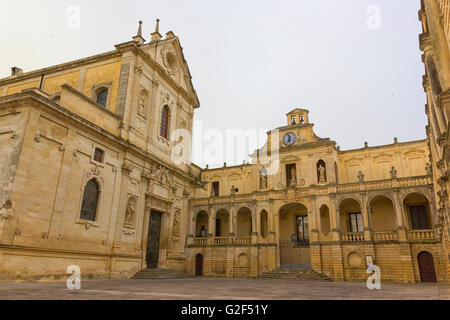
[[102, 96], [164, 132], [90, 201]]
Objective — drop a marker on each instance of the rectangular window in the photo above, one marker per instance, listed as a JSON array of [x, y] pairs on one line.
[[294, 120], [418, 216], [356, 222], [215, 189], [98, 155]]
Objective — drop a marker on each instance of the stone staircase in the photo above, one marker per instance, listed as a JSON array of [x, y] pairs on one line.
[[161, 274], [302, 274]]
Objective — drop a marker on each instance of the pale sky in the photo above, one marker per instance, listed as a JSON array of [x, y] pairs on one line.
[[254, 61]]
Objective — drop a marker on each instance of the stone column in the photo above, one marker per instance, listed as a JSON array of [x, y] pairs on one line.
[[211, 224], [312, 214], [366, 218], [231, 232], [400, 219], [271, 222], [334, 219]]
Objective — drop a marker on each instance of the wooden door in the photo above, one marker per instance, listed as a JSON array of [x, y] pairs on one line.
[[154, 233], [426, 267], [199, 265]]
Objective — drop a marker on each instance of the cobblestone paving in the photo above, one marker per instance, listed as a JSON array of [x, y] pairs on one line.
[[219, 288]]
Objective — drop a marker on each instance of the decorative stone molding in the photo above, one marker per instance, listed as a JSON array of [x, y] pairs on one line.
[[44, 235], [126, 168], [59, 237], [37, 137], [170, 60], [130, 212]]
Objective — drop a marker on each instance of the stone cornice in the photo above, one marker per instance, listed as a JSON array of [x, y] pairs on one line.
[[60, 67], [41, 97]]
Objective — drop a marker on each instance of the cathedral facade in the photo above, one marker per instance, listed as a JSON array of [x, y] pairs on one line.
[[95, 173]]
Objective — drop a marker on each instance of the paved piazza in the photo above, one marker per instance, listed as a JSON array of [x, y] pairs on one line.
[[219, 288]]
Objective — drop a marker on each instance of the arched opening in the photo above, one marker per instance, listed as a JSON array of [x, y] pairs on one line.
[[350, 217], [321, 171], [294, 235], [165, 116], [417, 211], [325, 226], [90, 201], [426, 267], [382, 214], [243, 265], [222, 223], [244, 222], [264, 223], [201, 224], [102, 96], [199, 264]]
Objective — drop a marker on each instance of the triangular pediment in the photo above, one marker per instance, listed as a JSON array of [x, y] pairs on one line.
[[169, 55]]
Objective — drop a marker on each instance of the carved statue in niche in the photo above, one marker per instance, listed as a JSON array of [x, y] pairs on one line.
[[176, 225], [263, 179], [131, 210], [321, 171], [7, 210], [293, 181]]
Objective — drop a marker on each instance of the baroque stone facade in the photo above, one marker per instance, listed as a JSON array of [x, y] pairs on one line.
[[91, 176]]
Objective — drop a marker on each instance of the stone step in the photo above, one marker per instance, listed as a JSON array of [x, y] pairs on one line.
[[295, 274], [161, 274]]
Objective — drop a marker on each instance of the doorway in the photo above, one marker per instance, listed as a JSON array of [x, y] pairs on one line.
[[199, 265], [154, 233], [426, 267]]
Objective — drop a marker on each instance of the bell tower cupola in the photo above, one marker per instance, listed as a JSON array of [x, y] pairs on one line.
[[297, 116]]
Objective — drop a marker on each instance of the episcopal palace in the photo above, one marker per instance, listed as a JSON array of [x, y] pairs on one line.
[[89, 177]]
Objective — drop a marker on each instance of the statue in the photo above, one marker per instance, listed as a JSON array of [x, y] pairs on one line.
[[131, 208], [393, 173], [360, 176], [7, 210], [176, 225], [263, 181], [293, 181], [429, 169], [322, 173]]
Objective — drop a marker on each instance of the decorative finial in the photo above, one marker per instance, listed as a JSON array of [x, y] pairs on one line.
[[138, 37], [157, 25], [139, 33]]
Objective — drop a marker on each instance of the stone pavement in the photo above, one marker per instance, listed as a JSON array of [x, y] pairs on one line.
[[220, 288]]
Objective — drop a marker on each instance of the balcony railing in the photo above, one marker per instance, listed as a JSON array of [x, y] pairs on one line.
[[200, 241], [384, 236], [221, 240], [352, 236], [317, 190], [242, 240], [419, 235]]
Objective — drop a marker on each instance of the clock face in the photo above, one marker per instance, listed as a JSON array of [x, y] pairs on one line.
[[289, 138]]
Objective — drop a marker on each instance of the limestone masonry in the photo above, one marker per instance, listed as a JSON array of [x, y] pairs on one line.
[[88, 178]]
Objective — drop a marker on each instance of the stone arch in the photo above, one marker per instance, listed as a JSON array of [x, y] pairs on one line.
[[201, 223], [222, 218], [382, 214], [350, 215], [354, 259], [244, 221], [417, 210]]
